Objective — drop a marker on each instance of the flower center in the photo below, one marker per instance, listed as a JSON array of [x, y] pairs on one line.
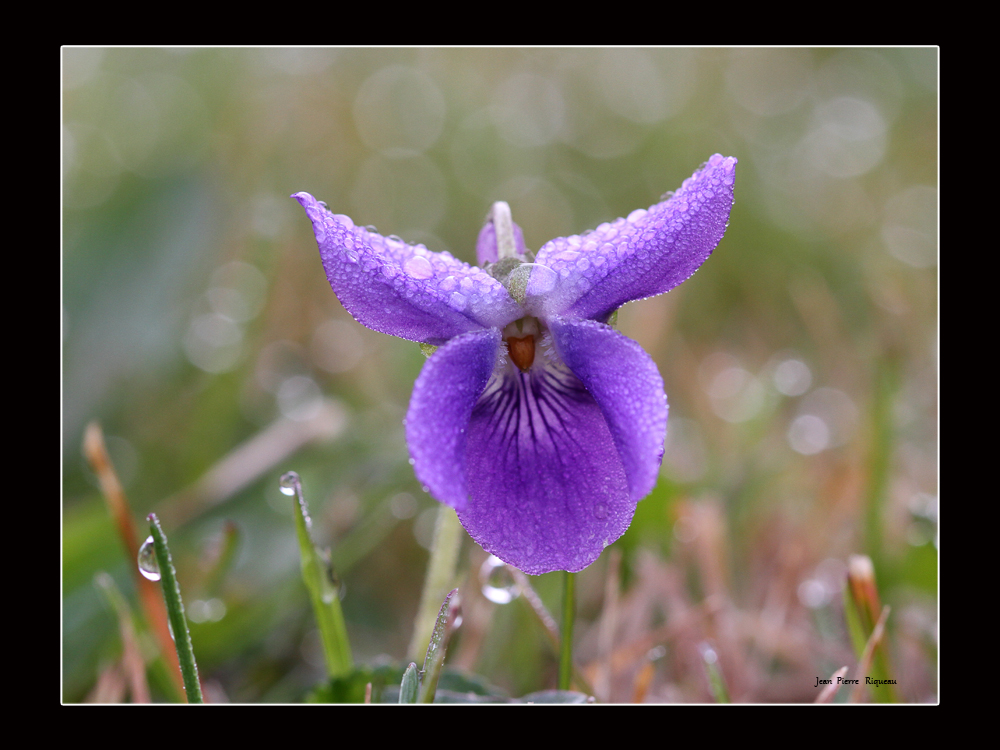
[[522, 351], [521, 337]]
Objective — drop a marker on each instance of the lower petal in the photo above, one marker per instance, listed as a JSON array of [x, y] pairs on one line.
[[437, 421], [547, 487], [625, 383]]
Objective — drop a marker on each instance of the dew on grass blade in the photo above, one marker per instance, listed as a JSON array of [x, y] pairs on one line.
[[288, 483], [498, 584], [147, 560], [707, 653]]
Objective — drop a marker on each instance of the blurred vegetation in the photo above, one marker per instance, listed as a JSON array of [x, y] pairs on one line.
[[800, 362]]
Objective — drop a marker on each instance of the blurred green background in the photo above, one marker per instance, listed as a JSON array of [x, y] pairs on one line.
[[800, 362]]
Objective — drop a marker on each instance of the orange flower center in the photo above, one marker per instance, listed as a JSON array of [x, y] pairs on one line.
[[522, 351]]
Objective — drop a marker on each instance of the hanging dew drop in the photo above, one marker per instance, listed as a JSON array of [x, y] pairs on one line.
[[498, 584], [147, 560], [288, 483]]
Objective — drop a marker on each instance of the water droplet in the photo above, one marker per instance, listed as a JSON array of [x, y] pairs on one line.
[[498, 584], [147, 560], [542, 279], [708, 653], [600, 510], [289, 483], [419, 267]]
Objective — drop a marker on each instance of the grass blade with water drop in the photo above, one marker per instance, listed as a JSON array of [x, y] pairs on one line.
[[175, 611], [436, 648], [323, 592], [151, 601]]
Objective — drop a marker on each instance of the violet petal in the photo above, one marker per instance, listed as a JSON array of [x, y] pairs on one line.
[[547, 487], [486, 244], [405, 290], [648, 253], [437, 422], [625, 383]]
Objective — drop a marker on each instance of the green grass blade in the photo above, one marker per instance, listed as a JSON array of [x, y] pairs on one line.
[[864, 612], [437, 647], [410, 685], [323, 591], [716, 683], [175, 611]]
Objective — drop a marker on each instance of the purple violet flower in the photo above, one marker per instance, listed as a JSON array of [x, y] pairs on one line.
[[538, 422]]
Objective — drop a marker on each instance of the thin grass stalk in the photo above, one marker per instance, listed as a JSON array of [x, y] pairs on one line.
[[547, 622], [716, 682], [829, 692], [566, 631], [437, 646], [175, 611], [133, 664], [323, 591], [865, 663]]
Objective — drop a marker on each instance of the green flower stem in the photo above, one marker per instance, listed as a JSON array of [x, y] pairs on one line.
[[546, 621], [440, 578], [566, 634], [175, 612], [323, 591]]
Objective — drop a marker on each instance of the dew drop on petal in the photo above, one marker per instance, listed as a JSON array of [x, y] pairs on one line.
[[288, 483], [147, 560], [542, 279], [600, 510], [419, 267], [498, 584]]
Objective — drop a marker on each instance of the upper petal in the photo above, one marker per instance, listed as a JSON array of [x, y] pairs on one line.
[[405, 290], [437, 421], [625, 383], [648, 253], [486, 244], [547, 489]]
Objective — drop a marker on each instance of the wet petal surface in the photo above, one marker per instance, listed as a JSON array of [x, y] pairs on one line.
[[648, 253], [626, 384], [437, 422], [547, 487], [405, 290]]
